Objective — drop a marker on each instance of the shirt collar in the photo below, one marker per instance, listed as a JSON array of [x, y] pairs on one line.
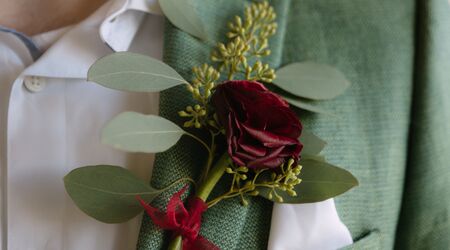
[[111, 28], [27, 41]]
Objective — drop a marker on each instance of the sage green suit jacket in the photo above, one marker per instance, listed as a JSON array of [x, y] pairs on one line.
[[391, 130]]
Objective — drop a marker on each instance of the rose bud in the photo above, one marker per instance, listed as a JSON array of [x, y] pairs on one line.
[[261, 130]]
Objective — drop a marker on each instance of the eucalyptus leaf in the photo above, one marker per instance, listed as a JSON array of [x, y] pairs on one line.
[[298, 102], [311, 80], [108, 193], [305, 105], [312, 144], [133, 72], [183, 15], [134, 132], [320, 181], [314, 157]]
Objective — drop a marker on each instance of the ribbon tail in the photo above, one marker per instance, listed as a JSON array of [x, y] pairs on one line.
[[175, 208], [159, 218]]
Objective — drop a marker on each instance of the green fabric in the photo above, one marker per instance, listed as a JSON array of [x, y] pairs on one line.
[[392, 127], [424, 218]]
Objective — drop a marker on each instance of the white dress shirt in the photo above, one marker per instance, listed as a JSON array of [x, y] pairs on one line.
[[53, 119]]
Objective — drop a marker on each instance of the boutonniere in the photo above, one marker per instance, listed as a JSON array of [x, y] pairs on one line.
[[241, 113]]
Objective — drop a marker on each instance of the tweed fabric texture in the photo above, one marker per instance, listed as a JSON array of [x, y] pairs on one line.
[[374, 44], [425, 216]]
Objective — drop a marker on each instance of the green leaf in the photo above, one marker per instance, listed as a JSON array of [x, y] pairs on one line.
[[183, 15], [311, 80], [314, 157], [108, 193], [305, 105], [312, 144], [134, 132], [320, 181], [133, 72], [298, 102]]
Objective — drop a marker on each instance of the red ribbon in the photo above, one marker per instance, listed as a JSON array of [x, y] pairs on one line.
[[181, 221]]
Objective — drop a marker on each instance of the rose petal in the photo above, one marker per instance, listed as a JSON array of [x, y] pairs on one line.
[[269, 139], [260, 128], [271, 160], [244, 156], [254, 150], [283, 122]]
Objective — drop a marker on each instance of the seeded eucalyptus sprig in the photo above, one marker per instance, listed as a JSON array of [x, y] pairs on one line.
[[205, 78], [248, 40], [283, 180]]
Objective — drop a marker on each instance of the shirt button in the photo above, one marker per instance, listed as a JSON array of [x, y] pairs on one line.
[[34, 83]]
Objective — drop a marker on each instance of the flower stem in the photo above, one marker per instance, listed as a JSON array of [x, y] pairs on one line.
[[176, 243], [213, 177], [210, 158], [200, 141], [204, 190]]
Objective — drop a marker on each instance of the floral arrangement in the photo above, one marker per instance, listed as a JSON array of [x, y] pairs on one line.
[[240, 107]]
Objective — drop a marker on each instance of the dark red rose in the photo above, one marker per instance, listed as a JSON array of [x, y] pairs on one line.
[[261, 130]]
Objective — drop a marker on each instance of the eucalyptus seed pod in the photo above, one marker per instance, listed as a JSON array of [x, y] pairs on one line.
[[183, 114]]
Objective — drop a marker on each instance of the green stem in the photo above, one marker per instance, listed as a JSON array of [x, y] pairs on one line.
[[213, 177], [210, 158], [204, 190], [200, 141], [176, 243], [224, 196], [230, 74]]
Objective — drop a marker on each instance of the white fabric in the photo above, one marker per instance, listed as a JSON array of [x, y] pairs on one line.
[[307, 227], [45, 40], [14, 57], [56, 129]]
